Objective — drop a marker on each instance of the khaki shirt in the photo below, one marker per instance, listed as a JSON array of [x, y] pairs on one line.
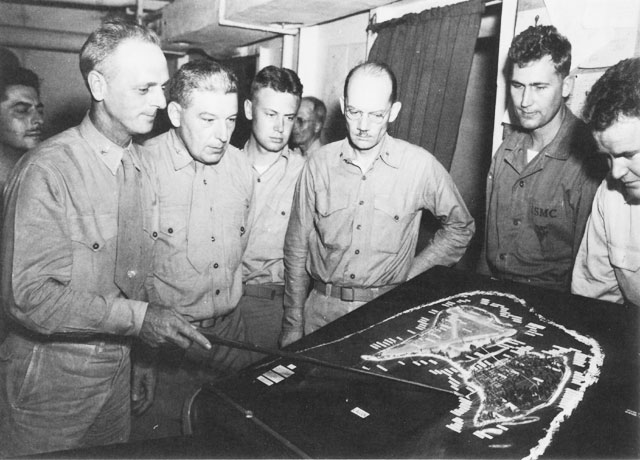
[[175, 282], [59, 238], [608, 263], [360, 229], [263, 260]]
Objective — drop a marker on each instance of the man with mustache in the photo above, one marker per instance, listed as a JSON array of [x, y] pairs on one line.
[[21, 117], [75, 255], [608, 263], [544, 174], [356, 212]]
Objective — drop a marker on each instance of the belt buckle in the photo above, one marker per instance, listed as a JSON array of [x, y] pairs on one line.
[[347, 294]]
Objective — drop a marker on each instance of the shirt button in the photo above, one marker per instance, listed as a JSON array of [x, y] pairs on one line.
[[357, 251], [352, 276], [155, 234], [521, 184], [259, 180], [502, 256], [283, 213], [96, 246], [170, 230], [361, 203], [215, 265], [358, 227], [213, 239], [516, 222], [217, 291], [131, 274], [396, 218], [364, 177]]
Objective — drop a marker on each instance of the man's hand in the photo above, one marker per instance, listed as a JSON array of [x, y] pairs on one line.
[[164, 325], [143, 386], [288, 337]]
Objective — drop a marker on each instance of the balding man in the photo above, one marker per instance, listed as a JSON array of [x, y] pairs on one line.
[[308, 125], [74, 259], [356, 212]]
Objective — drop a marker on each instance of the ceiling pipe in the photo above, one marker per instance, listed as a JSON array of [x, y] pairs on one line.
[[149, 4], [41, 39], [222, 11], [287, 33]]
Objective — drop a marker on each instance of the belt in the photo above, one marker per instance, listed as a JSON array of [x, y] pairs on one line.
[[263, 291], [205, 322], [351, 294]]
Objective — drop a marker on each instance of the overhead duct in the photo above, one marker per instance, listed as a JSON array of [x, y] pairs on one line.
[[148, 4], [42, 39]]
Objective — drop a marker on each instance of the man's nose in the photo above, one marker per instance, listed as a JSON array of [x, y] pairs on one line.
[[525, 100], [278, 124], [363, 122], [37, 119], [619, 168], [222, 132], [159, 99]]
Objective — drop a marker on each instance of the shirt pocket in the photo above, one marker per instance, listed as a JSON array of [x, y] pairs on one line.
[[170, 257], [391, 222], [91, 239], [553, 225], [235, 215], [334, 219], [623, 258]]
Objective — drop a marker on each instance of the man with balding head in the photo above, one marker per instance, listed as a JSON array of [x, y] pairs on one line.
[[356, 212], [75, 255], [308, 124]]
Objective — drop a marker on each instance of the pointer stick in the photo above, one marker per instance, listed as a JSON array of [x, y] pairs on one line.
[[309, 360]]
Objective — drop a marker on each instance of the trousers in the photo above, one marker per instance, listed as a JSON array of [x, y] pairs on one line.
[[62, 395]]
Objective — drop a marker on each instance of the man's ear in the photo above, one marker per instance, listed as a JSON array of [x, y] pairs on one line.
[[567, 85], [174, 111], [248, 107], [395, 110], [342, 104], [97, 85]]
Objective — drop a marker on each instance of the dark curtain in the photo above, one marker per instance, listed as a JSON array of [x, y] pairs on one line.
[[430, 53]]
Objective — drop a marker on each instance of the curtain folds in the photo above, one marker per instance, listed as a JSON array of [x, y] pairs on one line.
[[431, 54]]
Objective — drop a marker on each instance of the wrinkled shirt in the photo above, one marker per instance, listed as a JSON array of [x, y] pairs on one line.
[[175, 282], [537, 211], [263, 259], [59, 238], [608, 263], [360, 229]]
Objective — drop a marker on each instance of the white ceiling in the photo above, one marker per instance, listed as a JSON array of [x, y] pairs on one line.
[[182, 24]]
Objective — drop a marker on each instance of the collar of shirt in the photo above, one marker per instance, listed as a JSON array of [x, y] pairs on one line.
[[180, 156], [558, 148], [387, 153], [286, 151], [109, 152]]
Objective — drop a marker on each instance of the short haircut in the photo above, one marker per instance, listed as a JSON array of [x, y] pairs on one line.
[[278, 79], [103, 42], [374, 69], [201, 74], [319, 109], [537, 42], [18, 76], [615, 94]]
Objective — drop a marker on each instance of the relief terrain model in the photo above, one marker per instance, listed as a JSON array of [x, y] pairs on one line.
[[517, 375]]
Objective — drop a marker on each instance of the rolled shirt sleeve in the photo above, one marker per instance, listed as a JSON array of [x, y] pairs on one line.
[[593, 275]]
